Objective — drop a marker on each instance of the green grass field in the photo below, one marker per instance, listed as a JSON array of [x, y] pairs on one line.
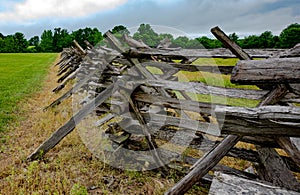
[[218, 80], [213, 79], [20, 75]]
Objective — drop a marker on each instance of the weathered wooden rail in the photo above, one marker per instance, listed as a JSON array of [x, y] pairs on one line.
[[119, 99]]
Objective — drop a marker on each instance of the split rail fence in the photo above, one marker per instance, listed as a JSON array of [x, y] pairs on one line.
[[133, 95]]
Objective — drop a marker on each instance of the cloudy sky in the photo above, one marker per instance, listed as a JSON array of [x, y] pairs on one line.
[[189, 17]]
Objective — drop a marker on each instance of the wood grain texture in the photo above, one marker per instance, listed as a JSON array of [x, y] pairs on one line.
[[263, 121], [273, 70], [224, 184], [231, 45], [204, 165], [198, 53]]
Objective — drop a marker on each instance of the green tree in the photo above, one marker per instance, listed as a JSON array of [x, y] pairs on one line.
[[181, 41], [9, 44], [276, 41], [166, 35], [147, 35], [46, 44], [194, 44], [209, 43], [61, 39], [217, 44], [290, 36], [234, 37], [94, 36], [2, 37], [20, 42], [266, 40], [34, 41], [1, 45], [120, 29], [250, 42], [78, 35]]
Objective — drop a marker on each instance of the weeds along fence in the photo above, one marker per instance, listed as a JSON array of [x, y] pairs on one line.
[[137, 98]]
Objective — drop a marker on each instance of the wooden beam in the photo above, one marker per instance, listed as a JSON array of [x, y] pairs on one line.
[[293, 52], [191, 67], [231, 45], [82, 51], [66, 80], [67, 94], [163, 120], [290, 147], [145, 130], [260, 121], [216, 154], [164, 44], [274, 171], [230, 184], [204, 165], [270, 170], [200, 107], [68, 127], [157, 121], [259, 140], [273, 70], [134, 43], [197, 53], [114, 42], [201, 88], [136, 65]]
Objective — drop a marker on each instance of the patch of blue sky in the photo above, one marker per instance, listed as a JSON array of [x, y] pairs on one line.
[[6, 5]]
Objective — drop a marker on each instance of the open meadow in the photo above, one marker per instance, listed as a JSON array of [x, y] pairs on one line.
[[20, 76]]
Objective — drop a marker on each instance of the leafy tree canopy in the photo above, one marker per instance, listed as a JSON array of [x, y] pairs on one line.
[[147, 35], [46, 44], [59, 38], [92, 35], [120, 29], [34, 41], [290, 36]]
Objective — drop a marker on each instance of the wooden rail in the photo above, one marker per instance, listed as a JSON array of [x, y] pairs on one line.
[[115, 86]]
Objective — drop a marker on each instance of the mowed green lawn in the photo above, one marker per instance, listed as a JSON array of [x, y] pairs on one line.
[[217, 80], [213, 79], [21, 74]]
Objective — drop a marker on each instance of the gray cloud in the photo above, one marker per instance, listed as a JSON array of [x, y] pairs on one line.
[[192, 16]]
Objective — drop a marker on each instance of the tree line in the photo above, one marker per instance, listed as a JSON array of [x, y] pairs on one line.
[[57, 39], [49, 41]]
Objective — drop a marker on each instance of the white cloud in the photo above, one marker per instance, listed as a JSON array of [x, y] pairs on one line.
[[194, 17], [37, 9]]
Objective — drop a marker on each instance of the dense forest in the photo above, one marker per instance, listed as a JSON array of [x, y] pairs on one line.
[[57, 39]]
